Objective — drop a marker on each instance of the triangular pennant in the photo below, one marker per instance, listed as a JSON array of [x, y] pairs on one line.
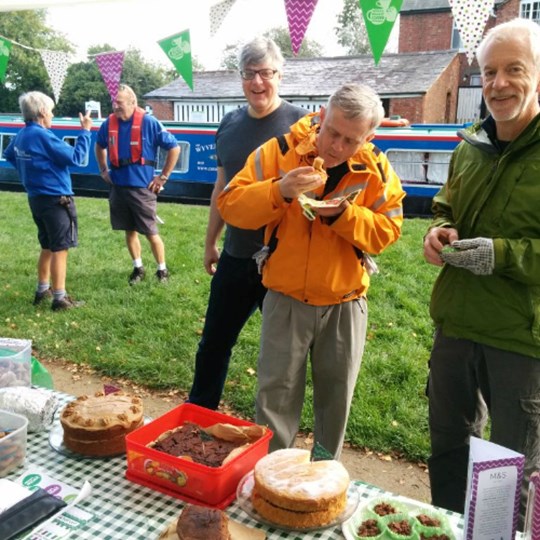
[[110, 66], [178, 50], [320, 453], [56, 64], [218, 12], [5, 48], [299, 13], [471, 17], [379, 17]]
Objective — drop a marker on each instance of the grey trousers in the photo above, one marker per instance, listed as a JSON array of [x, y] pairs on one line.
[[467, 382], [333, 337]]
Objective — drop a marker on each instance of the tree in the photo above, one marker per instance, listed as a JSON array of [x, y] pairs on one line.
[[84, 81], [352, 33], [308, 49], [25, 69]]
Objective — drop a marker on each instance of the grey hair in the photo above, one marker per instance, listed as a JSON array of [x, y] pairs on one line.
[[356, 100], [124, 88], [515, 28], [32, 105], [259, 50]]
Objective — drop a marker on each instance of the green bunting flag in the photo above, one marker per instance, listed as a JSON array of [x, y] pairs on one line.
[[320, 453], [379, 16], [5, 48], [178, 50]]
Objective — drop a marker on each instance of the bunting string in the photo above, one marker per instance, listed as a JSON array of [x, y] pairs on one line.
[[379, 17]]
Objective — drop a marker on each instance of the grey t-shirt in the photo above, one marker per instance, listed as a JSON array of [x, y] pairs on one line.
[[237, 136]]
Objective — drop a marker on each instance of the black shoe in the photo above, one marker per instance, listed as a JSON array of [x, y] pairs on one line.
[[137, 275], [162, 276], [41, 296], [65, 303]]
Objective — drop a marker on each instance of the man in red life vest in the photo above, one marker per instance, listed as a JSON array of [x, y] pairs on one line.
[[131, 138]]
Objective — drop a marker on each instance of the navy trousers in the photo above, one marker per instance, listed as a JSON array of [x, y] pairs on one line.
[[235, 292]]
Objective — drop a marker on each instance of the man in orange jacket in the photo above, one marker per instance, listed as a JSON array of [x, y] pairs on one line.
[[315, 262]]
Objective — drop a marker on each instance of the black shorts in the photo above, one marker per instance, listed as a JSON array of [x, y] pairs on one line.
[[56, 220], [133, 209]]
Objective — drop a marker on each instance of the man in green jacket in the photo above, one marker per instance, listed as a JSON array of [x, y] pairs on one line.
[[485, 361]]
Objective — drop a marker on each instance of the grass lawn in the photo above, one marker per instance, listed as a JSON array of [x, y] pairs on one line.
[[149, 333]]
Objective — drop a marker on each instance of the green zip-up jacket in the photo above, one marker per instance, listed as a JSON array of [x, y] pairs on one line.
[[493, 194]]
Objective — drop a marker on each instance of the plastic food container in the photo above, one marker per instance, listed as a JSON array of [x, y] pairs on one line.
[[15, 362], [184, 479], [13, 444]]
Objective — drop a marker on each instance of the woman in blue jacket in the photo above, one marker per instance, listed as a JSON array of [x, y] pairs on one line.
[[42, 161]]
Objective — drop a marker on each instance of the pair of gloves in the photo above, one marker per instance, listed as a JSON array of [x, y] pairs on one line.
[[474, 254]]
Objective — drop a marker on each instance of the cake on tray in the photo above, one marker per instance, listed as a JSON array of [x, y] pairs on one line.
[[293, 491], [97, 425]]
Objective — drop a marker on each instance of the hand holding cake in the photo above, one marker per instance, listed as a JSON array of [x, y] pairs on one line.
[[318, 165]]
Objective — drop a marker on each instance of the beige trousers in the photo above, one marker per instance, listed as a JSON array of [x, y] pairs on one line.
[[333, 338]]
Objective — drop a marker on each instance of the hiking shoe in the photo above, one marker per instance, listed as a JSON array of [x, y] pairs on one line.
[[162, 276], [137, 275], [65, 303], [42, 296]]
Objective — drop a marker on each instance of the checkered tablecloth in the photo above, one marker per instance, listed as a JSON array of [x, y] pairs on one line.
[[125, 510]]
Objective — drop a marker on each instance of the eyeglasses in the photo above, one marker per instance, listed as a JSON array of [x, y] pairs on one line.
[[266, 74]]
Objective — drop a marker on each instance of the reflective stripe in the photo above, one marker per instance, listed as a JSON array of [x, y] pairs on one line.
[[396, 212], [258, 165], [379, 202]]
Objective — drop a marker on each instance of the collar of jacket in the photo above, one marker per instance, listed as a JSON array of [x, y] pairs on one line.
[[480, 135]]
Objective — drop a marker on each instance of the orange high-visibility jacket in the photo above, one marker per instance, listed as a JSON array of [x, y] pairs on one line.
[[317, 262]]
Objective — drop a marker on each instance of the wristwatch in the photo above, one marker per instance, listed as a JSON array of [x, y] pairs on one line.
[[163, 178]]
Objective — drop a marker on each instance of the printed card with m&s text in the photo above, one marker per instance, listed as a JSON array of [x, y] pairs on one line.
[[493, 491]]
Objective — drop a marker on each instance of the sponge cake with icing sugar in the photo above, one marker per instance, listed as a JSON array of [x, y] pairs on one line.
[[293, 491]]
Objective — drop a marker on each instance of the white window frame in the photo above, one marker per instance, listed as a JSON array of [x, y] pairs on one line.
[[456, 43], [5, 139], [530, 9], [413, 166], [182, 165], [72, 140]]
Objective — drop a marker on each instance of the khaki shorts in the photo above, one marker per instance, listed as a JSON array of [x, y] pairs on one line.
[[133, 209]]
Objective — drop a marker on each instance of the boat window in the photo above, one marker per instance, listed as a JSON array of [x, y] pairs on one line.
[[71, 141], [182, 165], [5, 139], [420, 166]]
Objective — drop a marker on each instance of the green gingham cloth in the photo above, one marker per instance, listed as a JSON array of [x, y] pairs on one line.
[[125, 510]]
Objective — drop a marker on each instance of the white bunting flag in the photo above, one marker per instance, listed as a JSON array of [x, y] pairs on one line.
[[471, 17], [56, 64], [218, 12]]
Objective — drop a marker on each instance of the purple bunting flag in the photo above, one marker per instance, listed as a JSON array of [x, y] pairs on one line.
[[299, 13], [110, 65]]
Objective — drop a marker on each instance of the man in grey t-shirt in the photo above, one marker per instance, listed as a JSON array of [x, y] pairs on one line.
[[236, 289]]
